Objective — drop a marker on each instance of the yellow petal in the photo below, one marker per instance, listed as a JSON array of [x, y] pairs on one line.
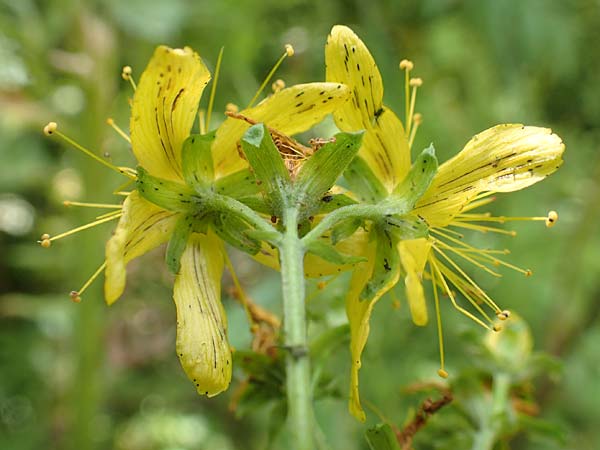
[[290, 111], [359, 313], [504, 158], [385, 145], [142, 227], [164, 108], [413, 255], [202, 344]]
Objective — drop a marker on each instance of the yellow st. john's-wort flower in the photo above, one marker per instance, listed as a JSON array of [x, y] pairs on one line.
[[503, 158], [163, 111]]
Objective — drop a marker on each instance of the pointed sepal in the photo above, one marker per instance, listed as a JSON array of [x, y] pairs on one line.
[[196, 161], [167, 194]]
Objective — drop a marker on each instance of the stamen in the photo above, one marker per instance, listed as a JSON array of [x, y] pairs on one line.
[[497, 328], [551, 219], [441, 372], [459, 252], [214, 87], [289, 51], [482, 199], [278, 85], [47, 239], [91, 205], [126, 74], [456, 222], [76, 295], [486, 297], [503, 315], [118, 129], [414, 83], [108, 214], [407, 66], [51, 128], [119, 189], [451, 295], [201, 121], [417, 120]]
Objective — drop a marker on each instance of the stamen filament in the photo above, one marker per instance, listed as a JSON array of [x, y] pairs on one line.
[[460, 253], [414, 83], [84, 227], [417, 119], [213, 90], [270, 75], [487, 298], [76, 295], [81, 148], [91, 205], [202, 121], [441, 372], [126, 74], [109, 214], [407, 66], [451, 295], [480, 228], [118, 129]]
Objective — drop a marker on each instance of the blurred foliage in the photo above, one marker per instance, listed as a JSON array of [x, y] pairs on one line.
[[88, 376]]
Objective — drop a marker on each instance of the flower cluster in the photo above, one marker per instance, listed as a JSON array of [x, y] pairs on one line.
[[398, 221]]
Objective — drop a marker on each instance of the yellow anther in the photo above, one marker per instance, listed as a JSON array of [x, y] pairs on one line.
[[406, 64], [278, 85], [512, 233], [110, 121], [503, 315], [45, 236], [231, 108], [75, 298], [396, 304], [46, 243], [497, 328], [289, 50], [528, 273], [50, 128], [551, 219], [416, 82], [321, 285], [417, 119], [126, 73], [442, 373]]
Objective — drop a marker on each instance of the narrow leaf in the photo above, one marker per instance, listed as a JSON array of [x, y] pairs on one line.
[[330, 254], [196, 160], [268, 167], [406, 227], [234, 231], [239, 184], [178, 242], [322, 170], [169, 195], [362, 181], [344, 229], [387, 266]]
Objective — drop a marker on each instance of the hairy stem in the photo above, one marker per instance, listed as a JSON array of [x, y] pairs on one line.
[[299, 397]]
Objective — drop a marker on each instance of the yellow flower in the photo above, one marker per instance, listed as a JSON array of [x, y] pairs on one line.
[[163, 111], [503, 158]]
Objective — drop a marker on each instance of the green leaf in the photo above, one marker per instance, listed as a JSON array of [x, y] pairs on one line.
[[416, 182], [406, 227], [344, 229], [178, 242], [267, 165], [329, 253], [387, 264], [363, 182], [196, 161], [234, 231], [166, 194], [382, 437], [322, 170], [237, 185]]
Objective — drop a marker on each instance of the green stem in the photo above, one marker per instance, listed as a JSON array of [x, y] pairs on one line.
[[491, 425], [299, 397]]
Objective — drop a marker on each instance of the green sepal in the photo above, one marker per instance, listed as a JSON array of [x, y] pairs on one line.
[[178, 242], [344, 229], [331, 202], [196, 161], [234, 231], [382, 437], [166, 194], [363, 183], [268, 167], [417, 181], [330, 254], [238, 184], [322, 169], [387, 264], [257, 203], [406, 227]]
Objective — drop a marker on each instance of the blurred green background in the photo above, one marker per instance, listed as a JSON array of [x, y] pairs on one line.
[[91, 377]]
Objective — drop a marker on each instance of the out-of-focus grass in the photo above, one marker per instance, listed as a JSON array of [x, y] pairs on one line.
[[87, 376]]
